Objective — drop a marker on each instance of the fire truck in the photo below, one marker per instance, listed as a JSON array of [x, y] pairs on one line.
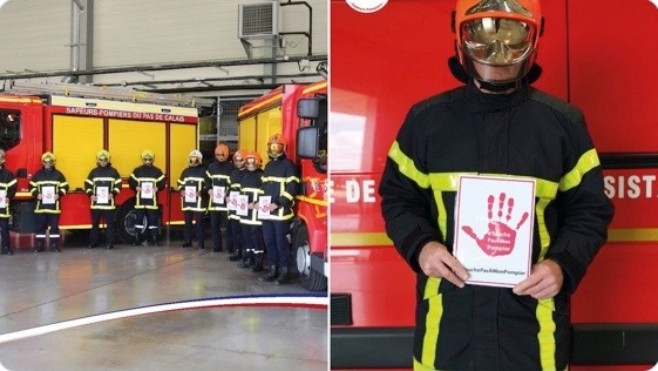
[[75, 122], [299, 112], [600, 58]]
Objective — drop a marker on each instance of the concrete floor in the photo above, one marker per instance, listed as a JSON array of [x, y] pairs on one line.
[[48, 288]]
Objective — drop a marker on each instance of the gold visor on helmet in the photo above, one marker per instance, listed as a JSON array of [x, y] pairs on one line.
[[275, 149], [497, 41]]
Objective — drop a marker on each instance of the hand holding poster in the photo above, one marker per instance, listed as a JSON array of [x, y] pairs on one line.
[[218, 195], [102, 195], [146, 190], [48, 195], [264, 207], [233, 200], [190, 194], [243, 205]]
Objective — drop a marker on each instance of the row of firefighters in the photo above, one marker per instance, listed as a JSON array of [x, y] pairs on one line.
[[254, 205]]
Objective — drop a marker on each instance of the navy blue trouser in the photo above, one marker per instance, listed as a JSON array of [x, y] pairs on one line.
[[276, 243], [236, 234], [96, 215], [45, 221], [217, 220], [4, 233], [151, 220], [197, 217]]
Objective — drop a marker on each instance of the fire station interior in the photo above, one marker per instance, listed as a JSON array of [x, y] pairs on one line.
[[141, 307]]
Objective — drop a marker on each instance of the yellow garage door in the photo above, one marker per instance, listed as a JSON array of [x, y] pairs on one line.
[[254, 131], [76, 140], [127, 139], [247, 134], [183, 141]]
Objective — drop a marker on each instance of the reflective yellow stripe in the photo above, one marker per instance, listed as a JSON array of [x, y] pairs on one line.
[[443, 182], [407, 167], [432, 321], [312, 201], [633, 235], [546, 192], [546, 335], [360, 239], [421, 367], [588, 161]]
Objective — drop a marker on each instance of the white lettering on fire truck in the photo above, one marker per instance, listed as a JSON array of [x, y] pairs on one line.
[[352, 191], [124, 114], [632, 186]]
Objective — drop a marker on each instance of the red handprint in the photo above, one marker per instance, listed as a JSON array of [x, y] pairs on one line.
[[499, 239]]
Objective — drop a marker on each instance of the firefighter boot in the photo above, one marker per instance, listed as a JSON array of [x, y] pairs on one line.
[[54, 247], [247, 261], [236, 256], [258, 263], [284, 277], [7, 251], [155, 239], [39, 247], [270, 276]]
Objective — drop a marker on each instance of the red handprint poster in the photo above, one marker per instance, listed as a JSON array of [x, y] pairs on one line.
[[494, 228]]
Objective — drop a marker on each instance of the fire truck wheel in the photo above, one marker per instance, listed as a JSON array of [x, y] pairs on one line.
[[125, 224], [310, 279]]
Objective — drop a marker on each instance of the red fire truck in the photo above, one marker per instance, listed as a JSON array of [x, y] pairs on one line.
[[299, 112], [597, 55], [75, 122]]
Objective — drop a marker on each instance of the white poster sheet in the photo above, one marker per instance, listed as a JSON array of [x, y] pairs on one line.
[[190, 194], [3, 198], [48, 195], [233, 200], [146, 190], [102, 195], [243, 205], [218, 195], [264, 207], [494, 224]]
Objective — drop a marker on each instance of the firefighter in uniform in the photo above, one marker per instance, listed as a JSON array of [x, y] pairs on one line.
[[192, 183], [497, 124], [102, 185], [146, 181], [8, 187], [281, 184], [233, 218], [219, 175], [252, 232], [47, 186]]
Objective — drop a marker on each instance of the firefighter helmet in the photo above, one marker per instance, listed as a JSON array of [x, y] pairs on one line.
[[48, 157], [496, 40], [238, 158], [147, 156], [253, 160], [195, 157], [103, 155], [222, 152], [276, 145]]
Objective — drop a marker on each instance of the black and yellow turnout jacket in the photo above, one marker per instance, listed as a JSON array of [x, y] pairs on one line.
[[528, 134]]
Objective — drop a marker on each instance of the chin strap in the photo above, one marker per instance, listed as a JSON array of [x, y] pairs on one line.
[[460, 74], [498, 88]]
